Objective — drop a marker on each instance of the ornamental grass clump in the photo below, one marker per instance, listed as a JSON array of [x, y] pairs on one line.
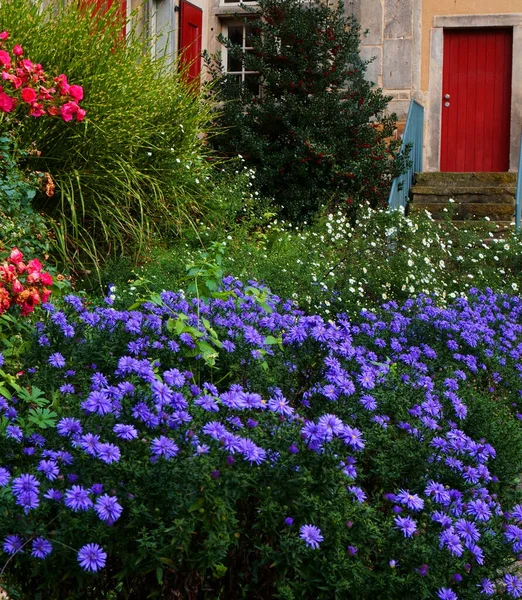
[[137, 164], [236, 447]]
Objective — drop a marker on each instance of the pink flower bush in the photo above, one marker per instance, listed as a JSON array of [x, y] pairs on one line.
[[23, 284], [26, 84]]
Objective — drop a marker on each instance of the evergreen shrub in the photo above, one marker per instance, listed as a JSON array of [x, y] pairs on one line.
[[305, 118]]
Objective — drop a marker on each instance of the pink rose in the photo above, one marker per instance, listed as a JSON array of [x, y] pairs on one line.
[[80, 114], [46, 94], [3, 36], [18, 50], [6, 102], [46, 279], [37, 110], [63, 86], [16, 81], [18, 288], [33, 277], [34, 265], [68, 110], [27, 65], [53, 111], [76, 92], [16, 256], [5, 59], [28, 95]]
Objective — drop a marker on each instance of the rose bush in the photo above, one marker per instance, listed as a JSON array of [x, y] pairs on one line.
[[25, 84], [23, 284], [238, 448]]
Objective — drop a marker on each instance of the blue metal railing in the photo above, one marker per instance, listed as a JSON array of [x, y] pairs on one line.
[[412, 136], [518, 197]]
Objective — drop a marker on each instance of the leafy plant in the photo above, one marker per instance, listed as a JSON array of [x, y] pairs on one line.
[[137, 165], [317, 133], [20, 224]]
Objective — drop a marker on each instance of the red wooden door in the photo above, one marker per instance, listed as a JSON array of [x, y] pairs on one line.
[[190, 39], [476, 100]]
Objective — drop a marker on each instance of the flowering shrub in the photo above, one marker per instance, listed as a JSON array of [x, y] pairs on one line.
[[339, 265], [26, 84], [238, 448], [23, 284]]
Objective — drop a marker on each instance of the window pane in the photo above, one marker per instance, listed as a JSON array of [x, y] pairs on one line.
[[252, 30], [252, 83], [235, 34], [233, 64]]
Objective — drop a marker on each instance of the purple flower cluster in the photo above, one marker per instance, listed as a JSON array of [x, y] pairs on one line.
[[147, 404]]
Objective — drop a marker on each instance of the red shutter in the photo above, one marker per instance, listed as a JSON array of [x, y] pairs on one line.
[[476, 116], [190, 39]]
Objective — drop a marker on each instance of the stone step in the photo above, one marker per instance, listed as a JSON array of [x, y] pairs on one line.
[[466, 211], [462, 196], [484, 225], [449, 180]]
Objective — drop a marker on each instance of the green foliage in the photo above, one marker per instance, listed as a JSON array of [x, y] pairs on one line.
[[20, 224], [337, 265], [317, 133], [137, 165]]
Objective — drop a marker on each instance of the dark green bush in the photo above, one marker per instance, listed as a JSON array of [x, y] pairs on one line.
[[317, 133]]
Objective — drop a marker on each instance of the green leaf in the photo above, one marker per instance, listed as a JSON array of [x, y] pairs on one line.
[[42, 417], [197, 504], [156, 299], [159, 575], [219, 571]]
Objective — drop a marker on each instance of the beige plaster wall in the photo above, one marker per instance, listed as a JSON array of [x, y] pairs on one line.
[[430, 8]]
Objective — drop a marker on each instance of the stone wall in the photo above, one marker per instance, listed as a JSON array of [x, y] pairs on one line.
[[393, 42]]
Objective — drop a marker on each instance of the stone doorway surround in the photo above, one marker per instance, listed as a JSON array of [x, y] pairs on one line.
[[434, 99]]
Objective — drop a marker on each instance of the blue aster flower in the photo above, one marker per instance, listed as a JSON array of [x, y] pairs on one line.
[[92, 557], [311, 535], [41, 547]]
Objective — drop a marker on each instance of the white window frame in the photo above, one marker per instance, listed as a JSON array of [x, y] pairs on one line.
[[242, 72]]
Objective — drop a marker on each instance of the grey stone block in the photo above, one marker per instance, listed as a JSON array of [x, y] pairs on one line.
[[374, 69], [400, 108], [398, 19], [397, 64], [369, 14]]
